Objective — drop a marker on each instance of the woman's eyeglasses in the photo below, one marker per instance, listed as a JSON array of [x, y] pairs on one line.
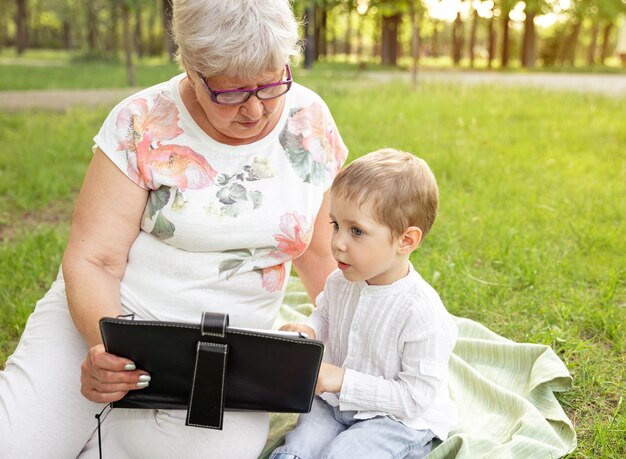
[[240, 96]]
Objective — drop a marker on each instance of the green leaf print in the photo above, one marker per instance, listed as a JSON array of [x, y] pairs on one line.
[[163, 228], [301, 159], [257, 198], [231, 265], [244, 256], [157, 200], [262, 168], [179, 201], [243, 253], [232, 194]]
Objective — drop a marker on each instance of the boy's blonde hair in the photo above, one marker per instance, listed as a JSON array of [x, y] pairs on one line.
[[400, 187]]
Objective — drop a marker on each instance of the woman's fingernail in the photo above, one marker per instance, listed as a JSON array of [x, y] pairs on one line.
[[141, 385], [130, 367], [144, 378]]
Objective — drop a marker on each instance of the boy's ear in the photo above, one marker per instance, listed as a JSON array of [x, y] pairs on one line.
[[410, 239]]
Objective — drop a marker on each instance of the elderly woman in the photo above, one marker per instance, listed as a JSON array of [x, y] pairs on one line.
[[201, 192]]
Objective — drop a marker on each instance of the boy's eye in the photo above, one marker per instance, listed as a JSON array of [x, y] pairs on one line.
[[356, 231], [335, 225]]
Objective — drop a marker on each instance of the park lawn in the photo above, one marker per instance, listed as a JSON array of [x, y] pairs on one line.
[[529, 239], [55, 69]]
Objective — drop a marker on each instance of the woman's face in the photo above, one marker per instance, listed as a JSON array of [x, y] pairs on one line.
[[244, 123]]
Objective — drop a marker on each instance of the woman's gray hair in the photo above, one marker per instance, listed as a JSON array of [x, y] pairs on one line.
[[234, 38]]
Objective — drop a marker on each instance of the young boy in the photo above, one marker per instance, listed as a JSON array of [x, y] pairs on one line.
[[383, 386]]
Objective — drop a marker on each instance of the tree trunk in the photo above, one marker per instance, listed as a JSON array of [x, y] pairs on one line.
[[591, 51], [138, 31], [128, 45], [92, 27], [606, 38], [169, 44], [389, 40], [568, 55], [320, 30], [457, 39], [21, 27], [67, 35], [3, 29], [491, 47], [472, 42], [434, 51], [348, 36], [529, 54], [506, 53], [151, 39], [359, 39], [415, 42], [309, 42], [112, 42]]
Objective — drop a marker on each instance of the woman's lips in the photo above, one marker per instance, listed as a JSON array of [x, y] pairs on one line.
[[343, 266], [249, 124]]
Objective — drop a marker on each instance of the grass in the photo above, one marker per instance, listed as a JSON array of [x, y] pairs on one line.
[[529, 240]]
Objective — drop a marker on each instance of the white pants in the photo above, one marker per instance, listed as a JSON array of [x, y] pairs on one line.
[[44, 415]]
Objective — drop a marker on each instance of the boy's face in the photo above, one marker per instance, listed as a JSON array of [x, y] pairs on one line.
[[363, 248]]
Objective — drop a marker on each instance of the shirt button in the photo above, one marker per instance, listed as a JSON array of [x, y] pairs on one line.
[[355, 327]]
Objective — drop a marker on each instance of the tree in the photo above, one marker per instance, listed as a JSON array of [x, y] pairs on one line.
[[319, 34], [348, 35], [91, 17], [473, 30], [415, 13], [5, 13], [608, 12], [169, 44], [491, 38], [138, 32], [457, 39], [21, 28], [529, 37], [389, 39], [128, 44], [505, 7]]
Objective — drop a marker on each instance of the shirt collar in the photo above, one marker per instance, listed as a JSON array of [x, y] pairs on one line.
[[398, 286]]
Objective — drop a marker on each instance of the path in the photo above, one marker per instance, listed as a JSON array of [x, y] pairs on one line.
[[607, 84], [60, 100]]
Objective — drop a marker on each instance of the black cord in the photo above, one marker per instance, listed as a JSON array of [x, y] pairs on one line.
[[130, 316], [99, 435]]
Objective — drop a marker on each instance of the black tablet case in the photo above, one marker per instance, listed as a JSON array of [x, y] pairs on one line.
[[208, 367]]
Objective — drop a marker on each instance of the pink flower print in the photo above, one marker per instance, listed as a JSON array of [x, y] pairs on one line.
[[309, 122], [273, 278], [295, 238], [160, 121], [341, 151], [173, 165]]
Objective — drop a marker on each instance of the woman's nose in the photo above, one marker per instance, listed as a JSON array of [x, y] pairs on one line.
[[253, 107]]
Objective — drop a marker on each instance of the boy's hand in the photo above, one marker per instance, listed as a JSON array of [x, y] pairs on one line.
[[329, 379], [299, 328]]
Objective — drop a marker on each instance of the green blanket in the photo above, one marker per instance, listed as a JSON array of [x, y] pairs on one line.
[[504, 393]]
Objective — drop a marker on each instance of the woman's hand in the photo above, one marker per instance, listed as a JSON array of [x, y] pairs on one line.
[[329, 379], [107, 378], [299, 328]]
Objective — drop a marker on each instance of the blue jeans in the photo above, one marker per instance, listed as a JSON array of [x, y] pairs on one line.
[[326, 433]]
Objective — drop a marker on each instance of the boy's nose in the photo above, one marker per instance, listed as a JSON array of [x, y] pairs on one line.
[[337, 243]]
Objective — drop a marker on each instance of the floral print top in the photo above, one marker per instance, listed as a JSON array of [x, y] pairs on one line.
[[222, 223]]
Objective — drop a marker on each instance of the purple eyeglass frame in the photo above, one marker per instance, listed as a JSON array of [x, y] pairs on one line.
[[250, 92]]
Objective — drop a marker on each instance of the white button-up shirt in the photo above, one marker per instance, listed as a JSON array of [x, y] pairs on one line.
[[394, 342]]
